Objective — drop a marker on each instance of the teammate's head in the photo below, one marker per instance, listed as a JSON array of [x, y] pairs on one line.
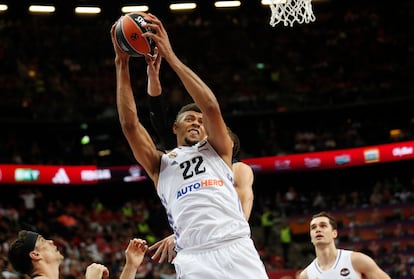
[[19, 252], [323, 229], [331, 219], [236, 143]]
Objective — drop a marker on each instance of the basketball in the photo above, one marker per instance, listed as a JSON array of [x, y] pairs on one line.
[[128, 35]]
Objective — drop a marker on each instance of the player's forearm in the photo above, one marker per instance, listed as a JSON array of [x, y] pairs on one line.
[[154, 86], [128, 272], [126, 105]]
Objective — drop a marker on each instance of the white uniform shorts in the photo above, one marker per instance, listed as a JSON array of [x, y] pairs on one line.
[[235, 259]]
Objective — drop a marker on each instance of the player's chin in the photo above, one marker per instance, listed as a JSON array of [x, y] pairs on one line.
[[192, 140]]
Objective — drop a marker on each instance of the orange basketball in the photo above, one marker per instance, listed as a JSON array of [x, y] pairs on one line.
[[129, 32]]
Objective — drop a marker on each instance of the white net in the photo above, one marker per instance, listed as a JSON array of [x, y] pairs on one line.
[[291, 11]]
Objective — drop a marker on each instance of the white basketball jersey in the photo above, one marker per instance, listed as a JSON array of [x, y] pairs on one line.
[[341, 269], [196, 187]]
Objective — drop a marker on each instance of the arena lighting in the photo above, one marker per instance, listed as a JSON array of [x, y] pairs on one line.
[[87, 10], [85, 140], [105, 152], [41, 9], [183, 6], [227, 4], [131, 9], [3, 7], [395, 133]]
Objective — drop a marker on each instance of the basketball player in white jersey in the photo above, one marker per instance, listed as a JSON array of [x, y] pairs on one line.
[[243, 173], [334, 263], [194, 181]]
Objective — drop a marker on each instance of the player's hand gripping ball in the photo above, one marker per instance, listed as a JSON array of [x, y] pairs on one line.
[[128, 32]]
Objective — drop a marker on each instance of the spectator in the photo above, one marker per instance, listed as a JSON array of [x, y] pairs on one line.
[[286, 241]]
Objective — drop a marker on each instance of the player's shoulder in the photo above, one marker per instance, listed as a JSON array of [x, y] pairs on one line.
[[302, 274], [356, 255], [242, 166], [360, 259], [309, 269], [243, 169]]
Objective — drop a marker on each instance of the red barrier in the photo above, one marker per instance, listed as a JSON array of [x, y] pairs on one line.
[[90, 174], [334, 159], [68, 175]]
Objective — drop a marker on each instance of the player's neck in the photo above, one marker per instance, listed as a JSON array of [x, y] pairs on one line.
[[326, 256]]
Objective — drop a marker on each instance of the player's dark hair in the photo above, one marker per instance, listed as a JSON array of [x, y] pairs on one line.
[[332, 220], [188, 107], [236, 144], [20, 249]]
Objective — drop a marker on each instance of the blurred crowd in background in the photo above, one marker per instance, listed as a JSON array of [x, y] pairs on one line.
[[96, 226]]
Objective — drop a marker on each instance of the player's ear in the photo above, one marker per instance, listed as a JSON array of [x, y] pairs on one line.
[[174, 127], [335, 233], [34, 255]]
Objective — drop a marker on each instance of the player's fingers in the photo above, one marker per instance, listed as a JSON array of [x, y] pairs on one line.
[[156, 253], [114, 26], [163, 254], [155, 245], [106, 272], [144, 247], [149, 59], [154, 18], [138, 241], [170, 256], [155, 29]]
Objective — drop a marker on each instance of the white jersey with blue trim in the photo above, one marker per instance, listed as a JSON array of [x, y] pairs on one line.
[[341, 269], [196, 187]]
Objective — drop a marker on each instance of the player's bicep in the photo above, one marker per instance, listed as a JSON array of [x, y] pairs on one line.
[[243, 183], [367, 266]]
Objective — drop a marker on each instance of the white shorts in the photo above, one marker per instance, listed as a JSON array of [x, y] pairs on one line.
[[235, 259]]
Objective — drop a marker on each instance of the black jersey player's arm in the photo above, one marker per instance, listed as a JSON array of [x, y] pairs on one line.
[[161, 121], [158, 109]]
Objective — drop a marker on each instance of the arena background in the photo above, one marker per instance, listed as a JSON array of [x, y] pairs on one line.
[[343, 81]]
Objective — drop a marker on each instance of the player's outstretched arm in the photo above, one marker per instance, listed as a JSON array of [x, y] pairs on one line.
[[199, 91], [139, 140], [134, 255], [158, 108]]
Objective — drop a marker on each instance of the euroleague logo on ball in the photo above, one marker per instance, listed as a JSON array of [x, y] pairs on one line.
[[128, 32]]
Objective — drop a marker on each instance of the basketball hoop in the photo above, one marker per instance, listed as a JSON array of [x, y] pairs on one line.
[[291, 11]]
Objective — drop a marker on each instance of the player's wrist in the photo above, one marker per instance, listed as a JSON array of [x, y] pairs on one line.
[[130, 266]]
